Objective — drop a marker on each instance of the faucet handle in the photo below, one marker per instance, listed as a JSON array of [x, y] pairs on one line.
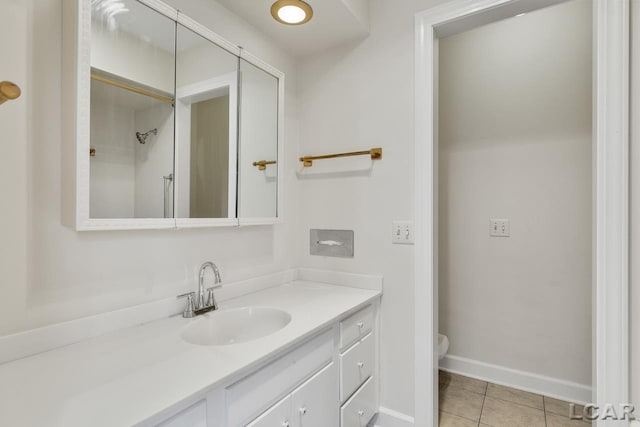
[[189, 310]]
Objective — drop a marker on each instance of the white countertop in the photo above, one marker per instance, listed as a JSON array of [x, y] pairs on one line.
[[125, 377]]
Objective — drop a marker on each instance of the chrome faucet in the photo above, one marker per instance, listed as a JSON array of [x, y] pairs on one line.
[[201, 306], [211, 299]]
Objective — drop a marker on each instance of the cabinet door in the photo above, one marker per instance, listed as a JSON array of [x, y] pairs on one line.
[[276, 416], [316, 402]]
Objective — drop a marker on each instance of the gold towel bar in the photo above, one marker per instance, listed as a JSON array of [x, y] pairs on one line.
[[8, 91], [375, 153], [262, 164], [131, 88]]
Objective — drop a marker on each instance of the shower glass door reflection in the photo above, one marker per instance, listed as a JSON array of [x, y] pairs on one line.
[[132, 112]]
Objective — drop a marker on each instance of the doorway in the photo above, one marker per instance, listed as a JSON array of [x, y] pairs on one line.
[[610, 182]]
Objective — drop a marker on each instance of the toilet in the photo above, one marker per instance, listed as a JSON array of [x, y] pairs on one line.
[[443, 346]]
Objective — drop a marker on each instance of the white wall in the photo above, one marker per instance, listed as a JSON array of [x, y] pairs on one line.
[[113, 167], [15, 155], [360, 96], [515, 143], [72, 274], [125, 55], [153, 160], [634, 260]]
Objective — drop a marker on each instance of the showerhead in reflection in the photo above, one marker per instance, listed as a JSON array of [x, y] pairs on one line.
[[142, 137]]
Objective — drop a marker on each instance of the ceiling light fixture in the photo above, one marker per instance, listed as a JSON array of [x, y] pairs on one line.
[[291, 12]]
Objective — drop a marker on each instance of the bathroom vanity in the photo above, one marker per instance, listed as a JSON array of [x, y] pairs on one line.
[[320, 369], [328, 380]]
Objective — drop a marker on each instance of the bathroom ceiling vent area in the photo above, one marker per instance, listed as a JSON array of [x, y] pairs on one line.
[[334, 23]]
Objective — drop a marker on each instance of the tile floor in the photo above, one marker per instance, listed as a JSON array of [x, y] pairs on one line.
[[467, 402]]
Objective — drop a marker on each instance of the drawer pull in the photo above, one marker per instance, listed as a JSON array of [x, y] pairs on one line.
[[360, 325], [360, 365], [285, 424], [361, 413], [303, 411]]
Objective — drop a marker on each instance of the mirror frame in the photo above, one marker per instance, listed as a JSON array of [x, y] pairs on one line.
[[76, 89]]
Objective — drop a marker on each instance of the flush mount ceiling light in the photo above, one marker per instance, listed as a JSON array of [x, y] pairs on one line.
[[291, 12]]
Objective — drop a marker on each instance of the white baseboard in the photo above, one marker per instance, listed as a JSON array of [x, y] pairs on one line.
[[389, 418], [527, 381]]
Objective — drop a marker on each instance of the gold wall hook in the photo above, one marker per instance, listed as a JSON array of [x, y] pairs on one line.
[[262, 164], [9, 91], [375, 153]]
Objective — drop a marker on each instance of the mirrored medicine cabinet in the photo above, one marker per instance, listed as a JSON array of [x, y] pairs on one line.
[[167, 124]]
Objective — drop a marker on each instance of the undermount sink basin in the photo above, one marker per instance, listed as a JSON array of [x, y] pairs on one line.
[[236, 325]]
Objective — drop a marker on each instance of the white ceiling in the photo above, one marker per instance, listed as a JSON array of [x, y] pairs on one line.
[[334, 22]]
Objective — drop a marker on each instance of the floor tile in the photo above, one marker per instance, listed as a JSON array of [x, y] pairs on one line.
[[448, 420], [515, 396], [554, 420], [444, 378], [461, 402], [471, 384], [560, 407], [500, 413]]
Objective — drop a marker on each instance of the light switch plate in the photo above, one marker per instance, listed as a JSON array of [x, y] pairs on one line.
[[402, 233], [499, 228]]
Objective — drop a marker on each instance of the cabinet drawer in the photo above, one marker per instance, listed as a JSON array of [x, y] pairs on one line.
[[253, 394], [356, 365], [359, 410], [356, 326], [278, 415]]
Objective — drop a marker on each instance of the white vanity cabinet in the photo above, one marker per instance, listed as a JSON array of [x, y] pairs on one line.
[[313, 404], [330, 380]]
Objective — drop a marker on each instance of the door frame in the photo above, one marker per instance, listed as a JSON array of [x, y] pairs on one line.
[[610, 288]]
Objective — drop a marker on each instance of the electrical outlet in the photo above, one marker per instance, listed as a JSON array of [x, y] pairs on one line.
[[499, 228], [402, 233]]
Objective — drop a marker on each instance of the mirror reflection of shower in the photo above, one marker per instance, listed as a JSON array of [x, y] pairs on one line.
[[142, 137]]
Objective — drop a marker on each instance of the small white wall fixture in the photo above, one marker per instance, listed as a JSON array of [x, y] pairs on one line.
[[610, 191]]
